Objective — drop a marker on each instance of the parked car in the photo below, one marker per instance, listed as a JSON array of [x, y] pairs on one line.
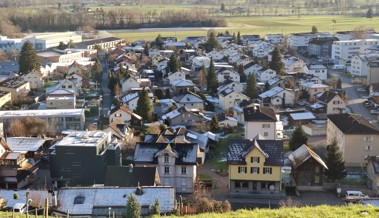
[[374, 111], [19, 208], [355, 195]]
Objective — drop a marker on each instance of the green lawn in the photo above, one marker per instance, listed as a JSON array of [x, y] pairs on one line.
[[265, 24]]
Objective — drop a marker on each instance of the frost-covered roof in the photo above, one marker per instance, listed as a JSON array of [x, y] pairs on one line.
[[181, 82], [272, 92], [313, 85], [38, 197], [24, 144], [188, 98], [112, 197], [302, 154], [302, 116]]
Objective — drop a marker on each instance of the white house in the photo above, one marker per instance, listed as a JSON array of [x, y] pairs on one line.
[[252, 68], [231, 85], [178, 75], [278, 96], [360, 64], [262, 122], [223, 75], [124, 115], [189, 100], [64, 84], [262, 49], [215, 55], [229, 98], [130, 100], [274, 38], [299, 41], [344, 50], [293, 64], [318, 70], [35, 79], [265, 74], [198, 62]]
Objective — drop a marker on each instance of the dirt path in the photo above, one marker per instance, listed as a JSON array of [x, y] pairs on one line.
[[220, 189]]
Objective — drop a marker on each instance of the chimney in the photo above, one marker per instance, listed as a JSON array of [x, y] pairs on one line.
[[139, 190], [130, 168]]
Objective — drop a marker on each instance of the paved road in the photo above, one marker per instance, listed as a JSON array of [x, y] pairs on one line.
[[106, 96]]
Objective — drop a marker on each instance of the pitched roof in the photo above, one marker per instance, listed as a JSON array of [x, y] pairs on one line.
[[181, 82], [125, 109], [259, 113], [302, 154], [327, 96], [238, 149], [189, 97], [126, 176], [353, 124], [145, 153], [272, 92]]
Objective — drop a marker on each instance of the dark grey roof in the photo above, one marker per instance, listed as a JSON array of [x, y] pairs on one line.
[[122, 176], [327, 96], [239, 148], [353, 124], [323, 40], [145, 153], [259, 113]]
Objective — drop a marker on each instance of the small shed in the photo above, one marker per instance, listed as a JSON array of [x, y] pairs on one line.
[[301, 118]]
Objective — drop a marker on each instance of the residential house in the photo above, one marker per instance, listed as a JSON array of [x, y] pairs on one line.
[[76, 67], [334, 103], [79, 79], [131, 176], [198, 62], [189, 100], [261, 49], [185, 116], [251, 67], [182, 86], [373, 72], [360, 64], [321, 47], [318, 70], [237, 86], [35, 79], [131, 83], [294, 65], [178, 75], [125, 115], [64, 84], [120, 131], [262, 122], [227, 122], [5, 97], [15, 86], [356, 137], [301, 118], [255, 166], [373, 173], [307, 167], [225, 74], [61, 99], [102, 201], [69, 165], [346, 49], [265, 74], [313, 89], [278, 96], [61, 119], [238, 111], [299, 41], [176, 163], [276, 82], [274, 38], [215, 55], [130, 100], [229, 98]]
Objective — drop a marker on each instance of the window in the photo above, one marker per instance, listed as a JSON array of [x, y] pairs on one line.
[[265, 126], [79, 200], [317, 169], [254, 160], [267, 185], [267, 170], [368, 139], [184, 170], [368, 148], [166, 158], [242, 169], [241, 184], [265, 134], [254, 170], [167, 170]]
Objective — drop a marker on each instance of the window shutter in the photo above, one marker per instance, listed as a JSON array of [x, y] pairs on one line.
[[251, 170], [258, 159], [257, 170], [239, 169]]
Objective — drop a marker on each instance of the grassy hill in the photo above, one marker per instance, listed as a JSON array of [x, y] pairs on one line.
[[322, 211]]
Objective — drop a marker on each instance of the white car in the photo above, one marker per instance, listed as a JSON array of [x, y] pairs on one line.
[[355, 195]]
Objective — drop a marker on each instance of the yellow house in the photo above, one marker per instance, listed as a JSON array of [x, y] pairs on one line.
[[255, 166]]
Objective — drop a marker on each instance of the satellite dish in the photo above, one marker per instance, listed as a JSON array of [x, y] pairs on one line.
[[272, 187]]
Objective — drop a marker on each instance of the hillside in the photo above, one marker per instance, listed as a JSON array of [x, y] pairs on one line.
[[301, 212]]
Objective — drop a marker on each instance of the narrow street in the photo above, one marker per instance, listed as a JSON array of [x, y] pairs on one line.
[[106, 92]]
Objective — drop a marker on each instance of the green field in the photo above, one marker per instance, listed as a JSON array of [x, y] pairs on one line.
[[263, 25], [356, 211]]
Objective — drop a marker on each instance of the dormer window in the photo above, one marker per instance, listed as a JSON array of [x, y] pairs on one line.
[[166, 158], [79, 200]]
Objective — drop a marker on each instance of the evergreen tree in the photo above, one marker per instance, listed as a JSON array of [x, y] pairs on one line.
[[96, 72], [62, 46], [133, 207], [173, 64], [214, 124], [144, 107], [212, 42], [370, 14], [241, 72], [155, 209], [222, 7], [202, 77], [339, 84], [314, 29], [251, 86], [159, 42], [212, 82], [28, 60], [276, 62], [267, 86], [234, 38], [334, 161], [298, 138], [239, 41], [146, 49]]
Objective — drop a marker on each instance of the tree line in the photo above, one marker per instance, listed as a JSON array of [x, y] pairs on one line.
[[62, 20]]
